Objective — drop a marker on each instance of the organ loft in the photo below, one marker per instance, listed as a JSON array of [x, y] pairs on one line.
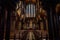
[[31, 15]]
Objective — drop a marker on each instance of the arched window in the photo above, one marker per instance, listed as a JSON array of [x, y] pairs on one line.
[[30, 10]]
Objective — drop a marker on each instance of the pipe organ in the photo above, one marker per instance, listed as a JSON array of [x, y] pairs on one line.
[[30, 20]]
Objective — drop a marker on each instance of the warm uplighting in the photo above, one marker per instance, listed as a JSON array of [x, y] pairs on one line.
[[22, 16], [33, 1], [19, 12], [57, 7], [42, 12]]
